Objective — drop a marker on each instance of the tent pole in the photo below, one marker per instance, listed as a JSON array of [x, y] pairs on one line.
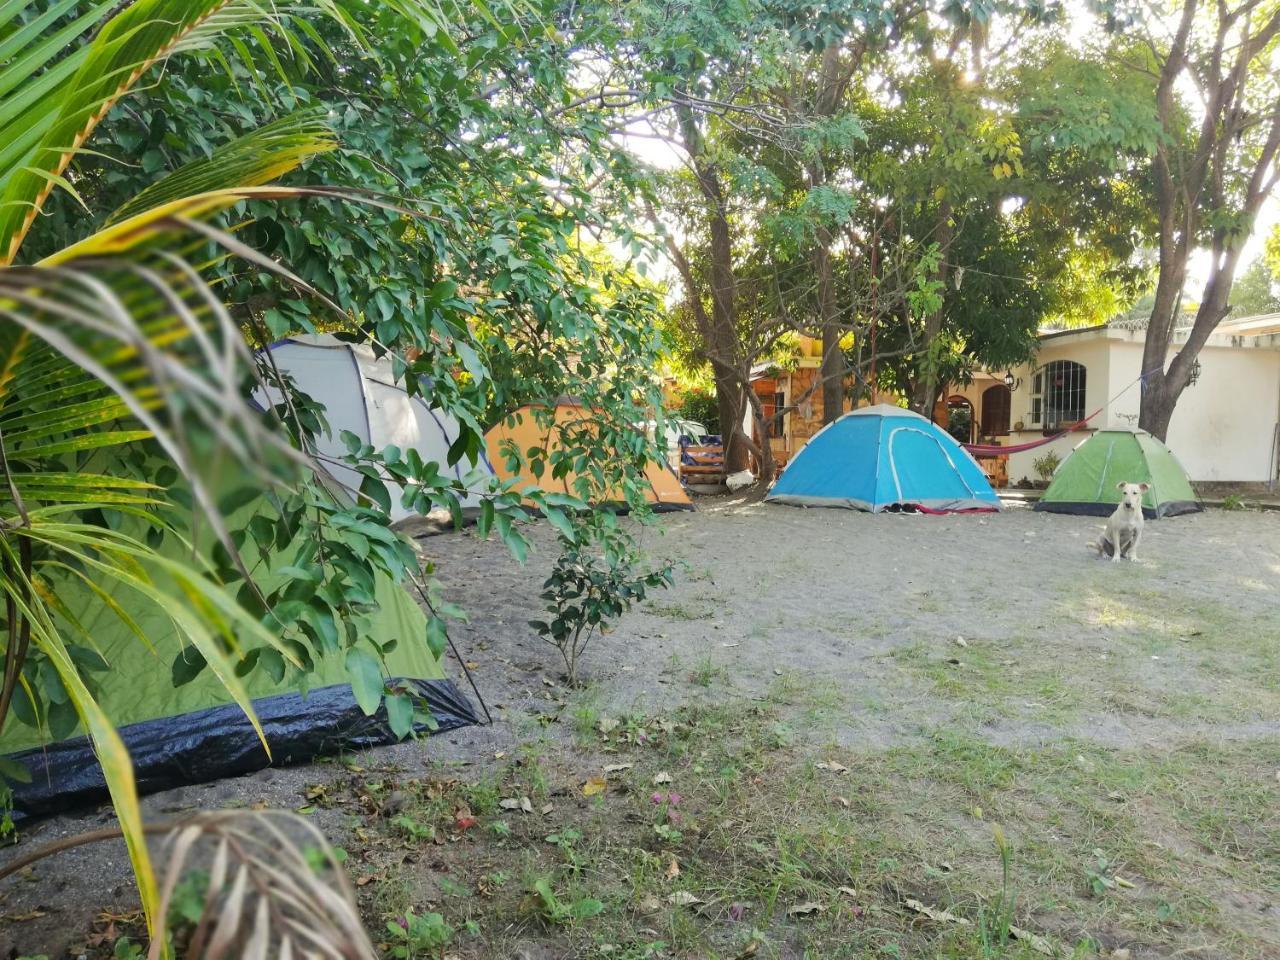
[[488, 718]]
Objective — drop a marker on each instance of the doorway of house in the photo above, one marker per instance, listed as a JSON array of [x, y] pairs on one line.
[[960, 419], [997, 400]]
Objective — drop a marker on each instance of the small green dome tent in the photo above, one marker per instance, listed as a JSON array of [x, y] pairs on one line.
[[1086, 482]]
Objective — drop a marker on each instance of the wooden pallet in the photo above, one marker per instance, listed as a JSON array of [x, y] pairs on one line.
[[707, 466]]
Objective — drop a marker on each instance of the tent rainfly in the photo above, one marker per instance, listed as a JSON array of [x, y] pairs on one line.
[[194, 732], [360, 394], [523, 429], [885, 458], [1086, 482]]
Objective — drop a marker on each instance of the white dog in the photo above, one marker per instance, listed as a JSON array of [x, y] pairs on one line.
[[1124, 527]]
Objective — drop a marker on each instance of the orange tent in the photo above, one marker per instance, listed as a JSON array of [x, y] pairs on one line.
[[524, 430]]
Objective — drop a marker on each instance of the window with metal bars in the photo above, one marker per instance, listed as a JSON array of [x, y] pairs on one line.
[[1057, 394]]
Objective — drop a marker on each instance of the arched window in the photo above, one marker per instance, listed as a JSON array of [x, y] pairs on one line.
[[996, 403], [960, 419], [1057, 394]]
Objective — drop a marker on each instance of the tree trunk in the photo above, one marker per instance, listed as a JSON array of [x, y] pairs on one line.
[[833, 366], [1158, 399], [1158, 402], [1185, 183], [1176, 226], [721, 335], [729, 391], [1163, 387], [768, 466], [833, 369]]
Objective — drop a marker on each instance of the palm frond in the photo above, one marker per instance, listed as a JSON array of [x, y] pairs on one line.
[[26, 615], [261, 20], [274, 886], [248, 161], [183, 215], [55, 87], [44, 134], [276, 889], [103, 351]]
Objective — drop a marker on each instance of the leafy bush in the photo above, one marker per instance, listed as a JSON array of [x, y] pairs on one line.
[[701, 407], [1047, 465], [419, 936], [584, 593]]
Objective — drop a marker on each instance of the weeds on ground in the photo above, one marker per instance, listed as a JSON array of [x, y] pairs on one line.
[[726, 830], [719, 831], [995, 922], [415, 937]]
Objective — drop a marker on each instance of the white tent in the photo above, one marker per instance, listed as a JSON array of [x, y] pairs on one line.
[[360, 394]]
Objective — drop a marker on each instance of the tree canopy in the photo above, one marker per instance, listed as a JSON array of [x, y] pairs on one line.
[[450, 211]]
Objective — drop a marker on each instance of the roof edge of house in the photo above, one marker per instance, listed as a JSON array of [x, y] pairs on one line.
[[1219, 338]]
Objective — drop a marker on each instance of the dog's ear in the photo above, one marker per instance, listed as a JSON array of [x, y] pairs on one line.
[[1144, 487], [1122, 484]]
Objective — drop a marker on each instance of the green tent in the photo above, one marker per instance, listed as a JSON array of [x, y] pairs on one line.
[[193, 732], [1087, 481]]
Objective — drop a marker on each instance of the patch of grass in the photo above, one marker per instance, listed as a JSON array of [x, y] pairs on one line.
[[1131, 650], [706, 671], [1156, 849], [681, 610], [585, 715], [996, 682]]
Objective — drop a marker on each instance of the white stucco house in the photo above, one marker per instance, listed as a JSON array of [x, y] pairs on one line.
[[1226, 428]]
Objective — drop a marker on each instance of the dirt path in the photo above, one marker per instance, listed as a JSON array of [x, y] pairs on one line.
[[942, 653], [1056, 644]]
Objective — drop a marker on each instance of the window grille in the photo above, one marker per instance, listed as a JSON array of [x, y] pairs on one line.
[[1057, 394]]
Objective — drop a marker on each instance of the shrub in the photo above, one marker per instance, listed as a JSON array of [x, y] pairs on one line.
[[1047, 465], [702, 408], [584, 593]]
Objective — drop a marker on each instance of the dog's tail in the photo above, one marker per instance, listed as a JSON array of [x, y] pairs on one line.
[[1101, 546]]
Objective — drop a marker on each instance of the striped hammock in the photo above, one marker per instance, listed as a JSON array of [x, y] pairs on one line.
[[993, 450]]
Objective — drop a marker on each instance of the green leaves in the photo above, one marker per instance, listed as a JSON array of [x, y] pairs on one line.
[[115, 352], [44, 133], [557, 518], [437, 636], [255, 158], [366, 679], [400, 714], [585, 593], [187, 666], [564, 911]]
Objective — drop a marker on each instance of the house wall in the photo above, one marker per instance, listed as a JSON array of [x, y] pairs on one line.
[[1222, 429], [1224, 425], [806, 419], [802, 422], [1094, 353]]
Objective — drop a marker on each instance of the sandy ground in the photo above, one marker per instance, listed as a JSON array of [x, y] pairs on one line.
[[1004, 626]]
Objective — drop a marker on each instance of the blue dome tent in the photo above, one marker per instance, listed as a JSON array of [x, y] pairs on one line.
[[885, 458]]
